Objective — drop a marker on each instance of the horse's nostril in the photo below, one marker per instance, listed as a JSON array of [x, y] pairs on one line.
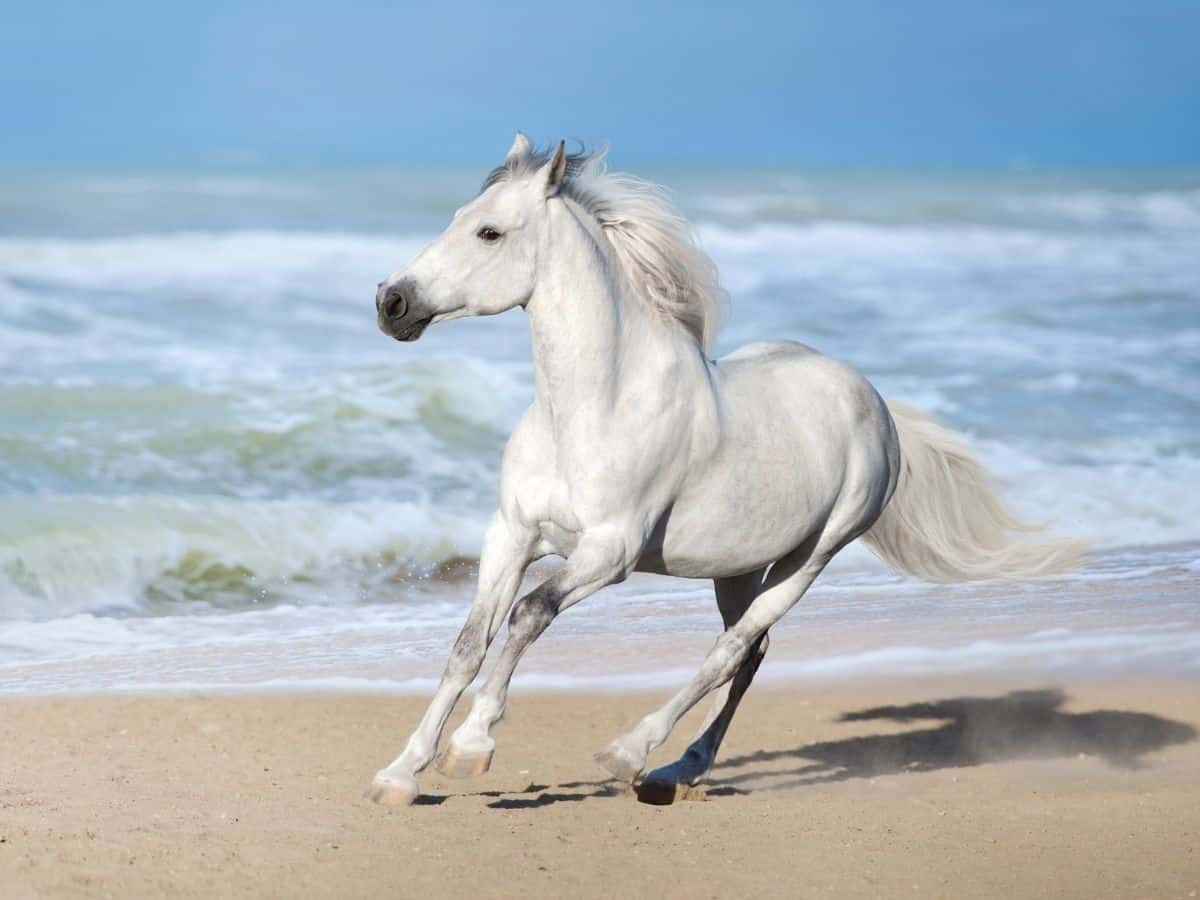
[[395, 305]]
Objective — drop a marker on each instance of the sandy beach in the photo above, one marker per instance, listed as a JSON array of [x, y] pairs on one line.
[[930, 788]]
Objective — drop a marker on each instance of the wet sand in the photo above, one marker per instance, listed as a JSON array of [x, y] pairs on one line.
[[942, 788]]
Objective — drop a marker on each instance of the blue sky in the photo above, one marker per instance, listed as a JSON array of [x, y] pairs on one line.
[[853, 83]]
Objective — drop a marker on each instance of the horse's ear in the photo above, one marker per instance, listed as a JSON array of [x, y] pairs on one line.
[[556, 171], [520, 148]]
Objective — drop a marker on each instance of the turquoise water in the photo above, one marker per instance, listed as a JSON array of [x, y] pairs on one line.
[[202, 431]]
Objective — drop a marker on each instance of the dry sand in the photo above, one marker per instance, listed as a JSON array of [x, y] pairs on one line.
[[1003, 795]]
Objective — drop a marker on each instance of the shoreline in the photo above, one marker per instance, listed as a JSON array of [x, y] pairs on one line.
[[1123, 614], [869, 787]]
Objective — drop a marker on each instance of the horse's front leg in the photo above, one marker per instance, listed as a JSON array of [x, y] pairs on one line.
[[600, 559], [506, 554]]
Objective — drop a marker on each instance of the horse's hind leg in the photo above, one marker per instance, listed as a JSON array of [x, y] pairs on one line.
[[670, 782], [786, 582]]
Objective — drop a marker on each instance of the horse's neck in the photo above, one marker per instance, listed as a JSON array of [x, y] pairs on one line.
[[592, 341]]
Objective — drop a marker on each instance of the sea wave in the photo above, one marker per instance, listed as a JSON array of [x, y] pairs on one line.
[[218, 400], [245, 265], [266, 267], [191, 417], [433, 428], [64, 555], [1043, 203], [211, 306], [155, 554], [889, 261], [1152, 210]]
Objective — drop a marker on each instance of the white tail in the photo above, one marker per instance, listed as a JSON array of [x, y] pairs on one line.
[[945, 524]]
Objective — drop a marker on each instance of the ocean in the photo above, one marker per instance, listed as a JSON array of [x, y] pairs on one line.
[[216, 473]]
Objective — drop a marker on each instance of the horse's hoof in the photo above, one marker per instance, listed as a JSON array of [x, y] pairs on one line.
[[454, 764], [392, 789], [620, 767], [664, 793]]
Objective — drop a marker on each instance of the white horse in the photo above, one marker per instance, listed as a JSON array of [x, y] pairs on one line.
[[640, 453]]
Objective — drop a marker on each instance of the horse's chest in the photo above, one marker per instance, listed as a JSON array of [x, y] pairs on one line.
[[563, 488], [544, 499]]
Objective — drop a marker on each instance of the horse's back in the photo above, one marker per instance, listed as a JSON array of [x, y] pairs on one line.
[[823, 397], [759, 350]]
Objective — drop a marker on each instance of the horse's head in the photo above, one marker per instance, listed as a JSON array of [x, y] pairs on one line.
[[485, 261]]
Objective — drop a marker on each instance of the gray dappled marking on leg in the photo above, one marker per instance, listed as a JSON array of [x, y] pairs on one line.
[[502, 564], [472, 746]]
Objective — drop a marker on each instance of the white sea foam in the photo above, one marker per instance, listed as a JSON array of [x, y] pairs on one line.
[[242, 264], [887, 261], [1149, 210]]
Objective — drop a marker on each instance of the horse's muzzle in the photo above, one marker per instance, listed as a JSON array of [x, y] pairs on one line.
[[400, 312]]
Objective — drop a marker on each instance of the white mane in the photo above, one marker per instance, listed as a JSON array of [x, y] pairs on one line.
[[651, 241]]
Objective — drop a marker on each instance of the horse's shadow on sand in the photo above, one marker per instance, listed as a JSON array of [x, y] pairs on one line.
[[973, 731]]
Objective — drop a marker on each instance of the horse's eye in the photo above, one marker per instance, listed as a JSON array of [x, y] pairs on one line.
[[491, 235]]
